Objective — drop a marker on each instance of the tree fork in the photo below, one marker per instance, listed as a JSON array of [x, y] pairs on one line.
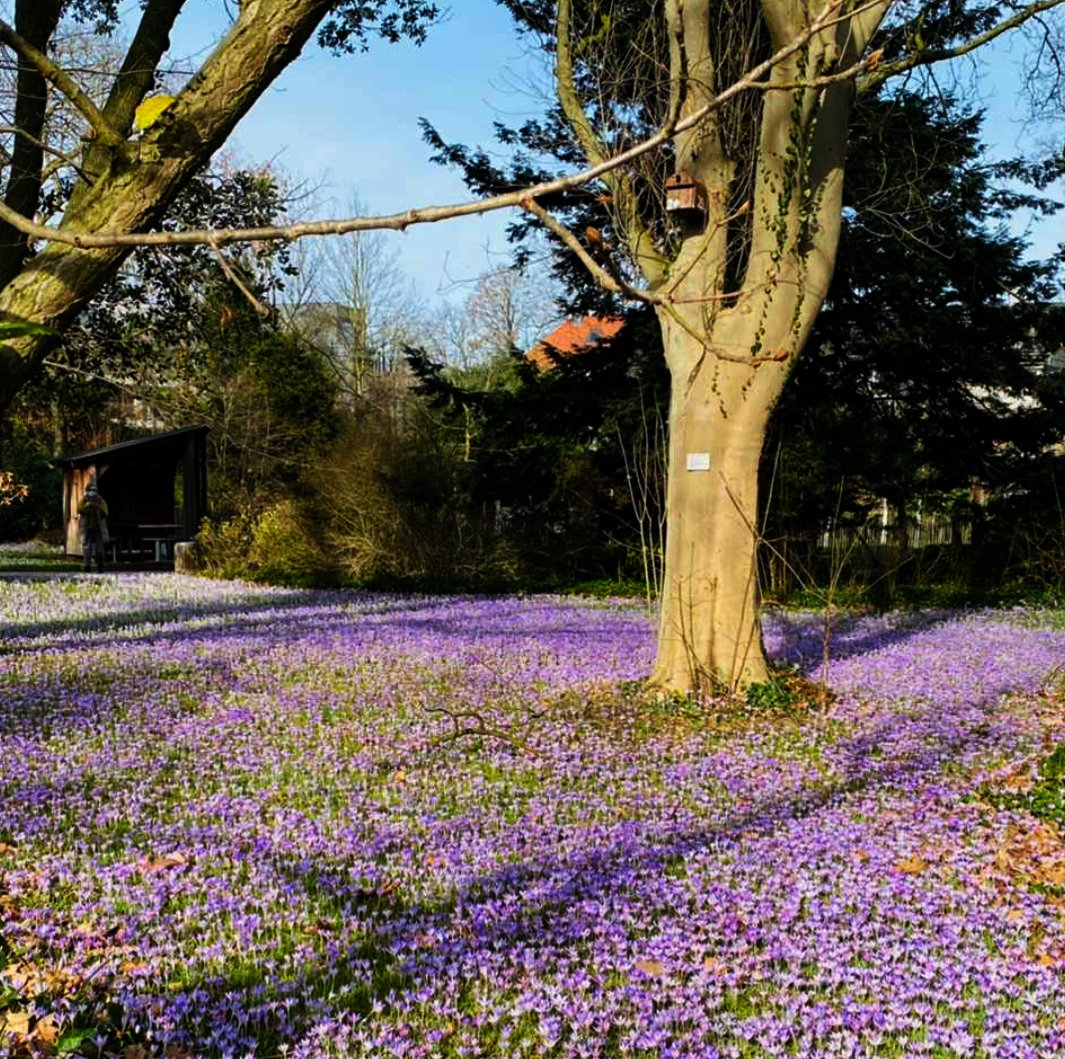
[[133, 194]]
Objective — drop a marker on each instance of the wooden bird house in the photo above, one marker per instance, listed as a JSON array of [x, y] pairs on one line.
[[685, 197]]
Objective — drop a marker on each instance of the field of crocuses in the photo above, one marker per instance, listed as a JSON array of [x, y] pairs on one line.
[[242, 821]]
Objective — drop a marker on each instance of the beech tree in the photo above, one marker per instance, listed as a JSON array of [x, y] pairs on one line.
[[730, 233], [744, 104]]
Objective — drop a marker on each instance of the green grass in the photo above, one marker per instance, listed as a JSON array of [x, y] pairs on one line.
[[1044, 800], [38, 565]]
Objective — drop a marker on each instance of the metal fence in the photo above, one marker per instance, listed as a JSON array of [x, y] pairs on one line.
[[861, 553]]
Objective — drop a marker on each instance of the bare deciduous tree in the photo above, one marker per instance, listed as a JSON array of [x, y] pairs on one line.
[[360, 277], [509, 308]]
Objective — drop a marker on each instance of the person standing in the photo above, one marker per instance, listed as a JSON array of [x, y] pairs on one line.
[[92, 521]]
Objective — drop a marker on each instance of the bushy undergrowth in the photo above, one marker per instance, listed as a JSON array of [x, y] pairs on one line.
[[279, 547], [297, 545], [954, 594]]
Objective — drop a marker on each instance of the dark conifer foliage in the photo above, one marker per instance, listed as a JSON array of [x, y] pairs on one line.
[[550, 449], [925, 368], [926, 371]]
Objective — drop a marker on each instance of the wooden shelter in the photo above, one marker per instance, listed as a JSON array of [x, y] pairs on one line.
[[155, 488]]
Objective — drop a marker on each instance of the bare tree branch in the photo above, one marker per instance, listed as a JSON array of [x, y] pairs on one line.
[[106, 133], [228, 269], [70, 160], [595, 150], [36, 23], [430, 214], [606, 278], [137, 75], [641, 245], [928, 56]]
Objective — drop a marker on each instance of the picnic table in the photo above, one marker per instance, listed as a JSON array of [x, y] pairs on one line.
[[131, 541]]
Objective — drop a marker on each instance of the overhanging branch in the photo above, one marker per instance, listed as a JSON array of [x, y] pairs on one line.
[[427, 214]]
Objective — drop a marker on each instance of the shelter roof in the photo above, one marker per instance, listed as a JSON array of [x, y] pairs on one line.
[[136, 444]]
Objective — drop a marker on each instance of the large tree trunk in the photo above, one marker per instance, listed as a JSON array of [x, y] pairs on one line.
[[709, 637], [729, 345], [36, 20]]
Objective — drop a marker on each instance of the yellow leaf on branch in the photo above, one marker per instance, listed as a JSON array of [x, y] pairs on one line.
[[149, 111]]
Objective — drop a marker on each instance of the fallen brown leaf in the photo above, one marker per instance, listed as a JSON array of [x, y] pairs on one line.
[[1017, 781], [60, 982], [655, 968], [15, 1022], [168, 860], [46, 1031]]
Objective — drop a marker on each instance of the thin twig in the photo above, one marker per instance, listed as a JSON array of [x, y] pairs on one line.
[[48, 149], [228, 269], [106, 133], [926, 57]]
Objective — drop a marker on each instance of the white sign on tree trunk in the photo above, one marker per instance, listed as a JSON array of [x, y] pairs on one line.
[[698, 461]]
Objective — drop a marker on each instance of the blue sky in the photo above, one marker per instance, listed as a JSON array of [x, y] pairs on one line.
[[351, 125]]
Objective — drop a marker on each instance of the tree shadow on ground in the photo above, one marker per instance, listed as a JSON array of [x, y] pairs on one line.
[[804, 645], [274, 618], [541, 901], [288, 615], [544, 889]]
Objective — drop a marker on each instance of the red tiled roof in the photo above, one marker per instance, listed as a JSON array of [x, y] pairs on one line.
[[574, 336]]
